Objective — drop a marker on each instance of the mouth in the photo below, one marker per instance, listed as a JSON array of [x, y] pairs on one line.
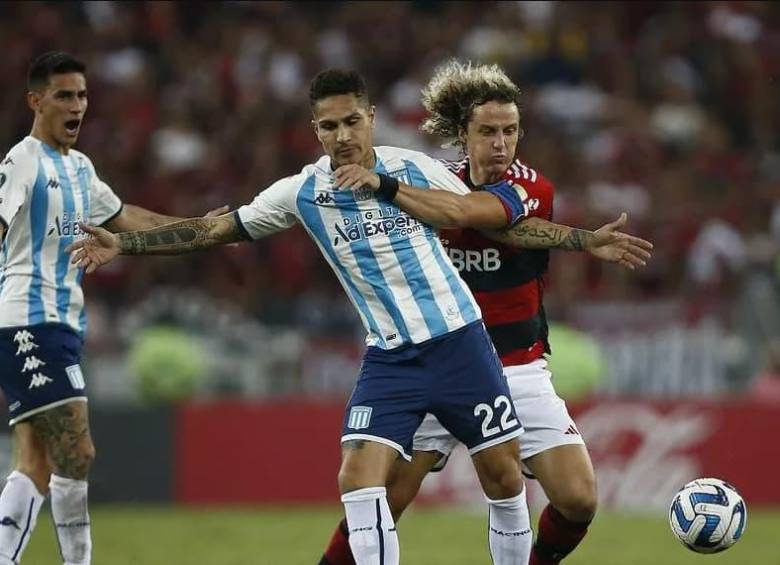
[[72, 127]]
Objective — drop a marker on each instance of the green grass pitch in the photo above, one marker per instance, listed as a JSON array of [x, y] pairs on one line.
[[295, 536]]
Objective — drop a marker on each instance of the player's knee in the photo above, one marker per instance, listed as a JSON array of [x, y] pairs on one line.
[[503, 481], [580, 503], [75, 463], [39, 474]]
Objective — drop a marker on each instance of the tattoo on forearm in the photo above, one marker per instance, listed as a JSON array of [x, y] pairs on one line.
[[534, 237], [181, 237]]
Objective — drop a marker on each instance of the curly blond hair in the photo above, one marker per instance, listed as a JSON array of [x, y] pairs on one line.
[[455, 89]]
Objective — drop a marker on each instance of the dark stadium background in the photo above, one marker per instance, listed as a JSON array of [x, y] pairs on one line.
[[668, 111]]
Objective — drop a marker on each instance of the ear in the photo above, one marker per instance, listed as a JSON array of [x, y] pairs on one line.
[[462, 136], [372, 116], [34, 100]]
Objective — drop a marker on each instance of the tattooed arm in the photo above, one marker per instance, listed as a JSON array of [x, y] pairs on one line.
[[606, 243], [536, 233], [171, 239]]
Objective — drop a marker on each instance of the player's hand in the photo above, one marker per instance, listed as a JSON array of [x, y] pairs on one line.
[[100, 247], [217, 211], [354, 176], [611, 245]]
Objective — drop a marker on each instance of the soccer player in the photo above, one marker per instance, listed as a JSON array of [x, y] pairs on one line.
[[427, 349], [46, 189], [477, 108]]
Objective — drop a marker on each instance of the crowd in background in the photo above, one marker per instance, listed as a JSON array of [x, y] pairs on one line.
[[668, 111]]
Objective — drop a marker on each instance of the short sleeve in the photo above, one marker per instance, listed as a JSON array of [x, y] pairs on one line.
[[104, 204], [272, 210], [439, 176], [537, 191], [17, 175]]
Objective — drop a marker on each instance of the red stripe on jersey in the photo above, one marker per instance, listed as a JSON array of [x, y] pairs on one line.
[[523, 356], [510, 305]]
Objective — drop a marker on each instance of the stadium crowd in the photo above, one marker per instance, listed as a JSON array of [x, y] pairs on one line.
[[668, 111]]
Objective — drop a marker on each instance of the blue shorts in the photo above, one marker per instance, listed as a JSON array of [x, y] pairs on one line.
[[456, 377], [39, 368]]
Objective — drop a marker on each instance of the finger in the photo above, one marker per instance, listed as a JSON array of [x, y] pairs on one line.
[[638, 251], [92, 230], [217, 211], [638, 241], [76, 245], [633, 260], [620, 222]]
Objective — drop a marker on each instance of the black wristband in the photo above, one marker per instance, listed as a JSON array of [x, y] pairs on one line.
[[388, 187]]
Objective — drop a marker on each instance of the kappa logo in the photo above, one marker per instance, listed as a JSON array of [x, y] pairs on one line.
[[38, 380], [359, 417], [7, 161], [323, 198], [53, 183], [32, 363], [3, 178], [25, 340]]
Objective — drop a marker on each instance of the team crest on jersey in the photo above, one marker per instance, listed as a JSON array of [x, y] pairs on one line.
[[359, 417]]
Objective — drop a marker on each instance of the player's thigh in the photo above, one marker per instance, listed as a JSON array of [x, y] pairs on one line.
[[498, 469], [566, 475], [470, 394], [64, 430], [365, 464], [406, 477]]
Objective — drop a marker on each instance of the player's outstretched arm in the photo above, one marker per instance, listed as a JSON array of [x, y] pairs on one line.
[[606, 243], [437, 208], [172, 239], [133, 218]]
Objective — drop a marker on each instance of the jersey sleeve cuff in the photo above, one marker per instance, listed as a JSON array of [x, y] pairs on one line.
[[114, 215], [241, 227]]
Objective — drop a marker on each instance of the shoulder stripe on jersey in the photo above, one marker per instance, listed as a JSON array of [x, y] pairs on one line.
[[465, 304], [39, 210], [317, 227], [67, 220]]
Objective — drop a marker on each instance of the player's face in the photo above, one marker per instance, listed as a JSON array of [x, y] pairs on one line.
[[60, 108], [345, 126], [491, 138]]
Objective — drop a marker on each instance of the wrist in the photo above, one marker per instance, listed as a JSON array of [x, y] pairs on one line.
[[388, 187]]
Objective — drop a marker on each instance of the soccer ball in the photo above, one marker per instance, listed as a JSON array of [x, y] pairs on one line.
[[708, 515]]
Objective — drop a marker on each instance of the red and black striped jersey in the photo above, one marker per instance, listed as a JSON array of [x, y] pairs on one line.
[[507, 282]]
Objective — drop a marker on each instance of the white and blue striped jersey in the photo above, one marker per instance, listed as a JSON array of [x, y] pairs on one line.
[[43, 197], [392, 266]]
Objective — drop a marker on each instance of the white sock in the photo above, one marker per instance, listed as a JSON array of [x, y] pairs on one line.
[[510, 536], [71, 519], [372, 535], [20, 503]]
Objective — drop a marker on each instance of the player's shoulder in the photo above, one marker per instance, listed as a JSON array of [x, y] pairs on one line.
[[22, 160], [82, 159], [457, 168], [528, 176], [388, 153]]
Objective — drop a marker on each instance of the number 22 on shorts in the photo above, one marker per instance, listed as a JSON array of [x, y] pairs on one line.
[[506, 420]]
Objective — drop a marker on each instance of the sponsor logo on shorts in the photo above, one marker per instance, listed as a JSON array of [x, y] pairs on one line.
[[38, 380], [359, 417], [75, 376], [571, 430], [25, 340]]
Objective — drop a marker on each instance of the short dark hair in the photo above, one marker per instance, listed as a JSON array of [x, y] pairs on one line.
[[52, 63], [333, 82]]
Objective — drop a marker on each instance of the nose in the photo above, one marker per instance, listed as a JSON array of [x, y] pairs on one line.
[[499, 140], [343, 134]]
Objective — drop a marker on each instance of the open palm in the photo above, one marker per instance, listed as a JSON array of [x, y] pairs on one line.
[[98, 249], [610, 244]]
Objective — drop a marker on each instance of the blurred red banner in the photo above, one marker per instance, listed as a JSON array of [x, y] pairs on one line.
[[643, 451]]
